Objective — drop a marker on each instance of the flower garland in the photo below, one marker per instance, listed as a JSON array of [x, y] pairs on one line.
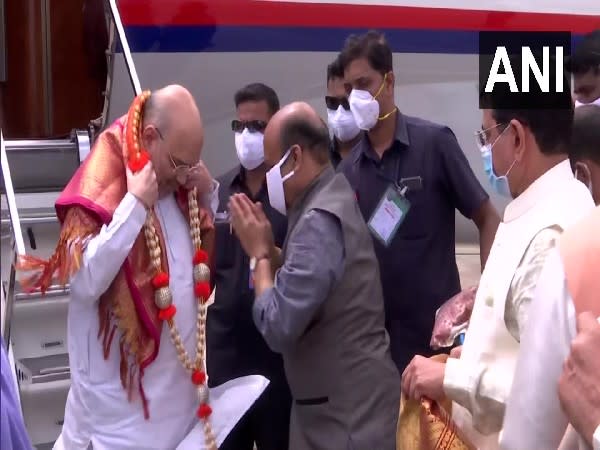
[[137, 159]]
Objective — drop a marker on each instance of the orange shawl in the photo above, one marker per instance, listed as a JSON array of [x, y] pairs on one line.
[[87, 203]]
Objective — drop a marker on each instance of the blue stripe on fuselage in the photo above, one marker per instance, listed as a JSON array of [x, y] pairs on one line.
[[181, 39]]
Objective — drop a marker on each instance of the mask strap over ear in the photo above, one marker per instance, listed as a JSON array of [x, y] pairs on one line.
[[380, 90]]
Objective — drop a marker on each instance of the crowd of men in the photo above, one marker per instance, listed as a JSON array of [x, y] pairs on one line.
[[331, 256]]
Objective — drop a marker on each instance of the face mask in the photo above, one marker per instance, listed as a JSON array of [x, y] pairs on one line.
[[499, 183], [595, 102], [250, 150], [365, 107], [275, 184], [342, 124]]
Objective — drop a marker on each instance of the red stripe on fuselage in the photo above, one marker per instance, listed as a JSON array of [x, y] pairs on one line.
[[270, 13]]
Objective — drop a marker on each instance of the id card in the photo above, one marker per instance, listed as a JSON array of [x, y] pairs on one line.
[[388, 215]]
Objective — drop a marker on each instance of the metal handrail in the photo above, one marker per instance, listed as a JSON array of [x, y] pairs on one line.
[[18, 242], [133, 76], [11, 199]]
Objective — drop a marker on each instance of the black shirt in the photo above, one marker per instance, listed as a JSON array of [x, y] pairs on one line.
[[418, 269], [334, 153], [235, 348]]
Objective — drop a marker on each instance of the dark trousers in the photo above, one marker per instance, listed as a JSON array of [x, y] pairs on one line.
[[267, 422]]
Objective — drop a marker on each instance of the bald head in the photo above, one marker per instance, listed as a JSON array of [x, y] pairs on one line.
[[170, 106], [172, 131], [299, 124]]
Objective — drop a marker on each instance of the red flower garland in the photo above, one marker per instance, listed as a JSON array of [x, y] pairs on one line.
[[160, 280], [204, 411], [202, 290], [198, 377], [200, 257], [137, 159], [167, 313]]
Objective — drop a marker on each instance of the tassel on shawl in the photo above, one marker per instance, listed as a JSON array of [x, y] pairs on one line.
[[77, 229]]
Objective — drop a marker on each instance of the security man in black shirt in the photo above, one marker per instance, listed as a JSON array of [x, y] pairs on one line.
[[235, 348], [409, 175]]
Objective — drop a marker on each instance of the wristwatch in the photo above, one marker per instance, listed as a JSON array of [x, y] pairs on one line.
[[254, 261]]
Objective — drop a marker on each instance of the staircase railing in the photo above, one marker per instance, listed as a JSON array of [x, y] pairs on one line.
[[18, 244], [133, 76]]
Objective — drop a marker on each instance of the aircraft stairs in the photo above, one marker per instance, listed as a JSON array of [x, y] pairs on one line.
[[35, 327]]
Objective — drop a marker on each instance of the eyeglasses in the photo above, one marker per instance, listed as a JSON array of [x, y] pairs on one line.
[[334, 103], [481, 137], [252, 125], [181, 170]]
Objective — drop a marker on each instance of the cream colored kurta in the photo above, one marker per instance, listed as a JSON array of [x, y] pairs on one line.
[[534, 417], [479, 382]]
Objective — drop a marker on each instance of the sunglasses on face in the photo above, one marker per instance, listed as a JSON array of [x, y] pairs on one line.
[[333, 103], [252, 125]]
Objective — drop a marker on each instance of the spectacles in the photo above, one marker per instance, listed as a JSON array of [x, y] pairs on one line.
[[252, 125], [334, 103], [181, 170], [481, 137]]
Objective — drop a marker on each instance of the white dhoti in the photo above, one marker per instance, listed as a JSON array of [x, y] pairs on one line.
[[229, 403]]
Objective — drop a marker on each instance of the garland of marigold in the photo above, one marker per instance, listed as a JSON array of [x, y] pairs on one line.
[[137, 159]]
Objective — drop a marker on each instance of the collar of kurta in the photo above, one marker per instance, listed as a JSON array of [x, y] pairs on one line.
[[544, 187]]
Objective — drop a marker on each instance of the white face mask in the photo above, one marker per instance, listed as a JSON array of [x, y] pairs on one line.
[[595, 102], [342, 124], [275, 184], [365, 108], [250, 150]]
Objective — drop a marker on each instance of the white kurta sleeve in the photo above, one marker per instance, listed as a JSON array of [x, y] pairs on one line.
[[477, 389], [534, 418], [105, 253], [473, 385]]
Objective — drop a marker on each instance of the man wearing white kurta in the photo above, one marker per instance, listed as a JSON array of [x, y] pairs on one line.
[[97, 405], [556, 379], [525, 157], [128, 388]]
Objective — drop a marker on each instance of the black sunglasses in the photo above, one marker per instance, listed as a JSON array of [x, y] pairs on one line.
[[334, 103], [252, 125]]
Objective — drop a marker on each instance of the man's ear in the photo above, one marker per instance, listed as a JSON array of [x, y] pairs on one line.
[[519, 138], [148, 135], [583, 173], [390, 80], [296, 156]]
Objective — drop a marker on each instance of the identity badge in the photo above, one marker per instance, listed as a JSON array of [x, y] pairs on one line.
[[389, 215]]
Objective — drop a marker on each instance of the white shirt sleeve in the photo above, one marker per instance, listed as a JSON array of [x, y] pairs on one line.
[[105, 253], [597, 438], [472, 384], [534, 417]]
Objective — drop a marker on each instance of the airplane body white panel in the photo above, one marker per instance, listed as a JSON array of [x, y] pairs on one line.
[[216, 48]]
